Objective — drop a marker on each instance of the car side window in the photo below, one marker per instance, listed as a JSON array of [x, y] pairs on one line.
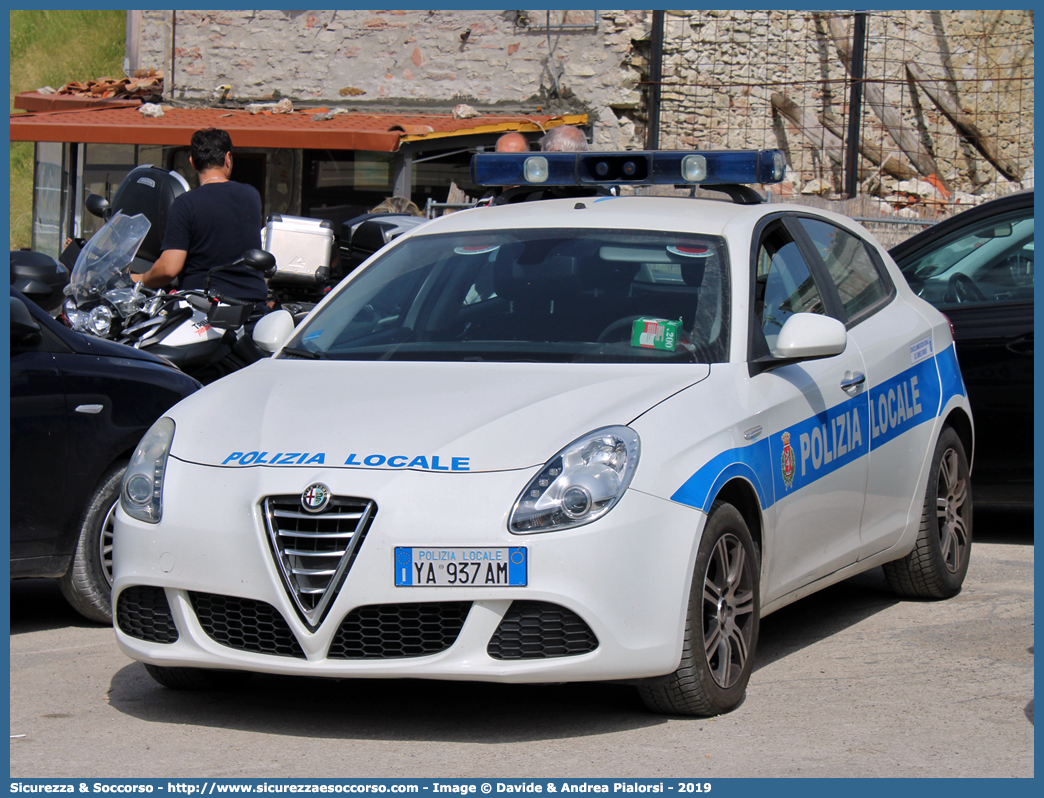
[[860, 283], [783, 284], [990, 261]]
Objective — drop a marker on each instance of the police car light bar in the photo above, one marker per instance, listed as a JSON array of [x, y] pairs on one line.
[[672, 167]]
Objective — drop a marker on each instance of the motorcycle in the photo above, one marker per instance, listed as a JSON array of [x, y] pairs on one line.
[[205, 335], [146, 190]]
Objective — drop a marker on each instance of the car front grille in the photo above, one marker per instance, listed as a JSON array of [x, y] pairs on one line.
[[539, 630], [245, 624], [142, 612], [315, 551], [393, 631]]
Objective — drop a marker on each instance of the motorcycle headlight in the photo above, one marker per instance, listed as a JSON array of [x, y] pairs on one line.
[[99, 321], [141, 496], [580, 484], [77, 318]]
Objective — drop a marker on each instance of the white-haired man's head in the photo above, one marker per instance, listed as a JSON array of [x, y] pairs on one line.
[[564, 138]]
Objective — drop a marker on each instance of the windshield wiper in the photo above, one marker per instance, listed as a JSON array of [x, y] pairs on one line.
[[305, 353]]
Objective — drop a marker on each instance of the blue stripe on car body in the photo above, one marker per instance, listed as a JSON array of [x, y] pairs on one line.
[[809, 450]]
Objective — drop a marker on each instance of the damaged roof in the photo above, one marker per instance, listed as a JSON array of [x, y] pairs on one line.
[[313, 128]]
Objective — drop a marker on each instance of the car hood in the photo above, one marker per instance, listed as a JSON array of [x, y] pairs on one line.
[[418, 416]]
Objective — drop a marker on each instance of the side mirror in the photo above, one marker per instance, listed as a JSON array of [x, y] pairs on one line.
[[273, 330], [98, 206], [24, 327], [810, 335]]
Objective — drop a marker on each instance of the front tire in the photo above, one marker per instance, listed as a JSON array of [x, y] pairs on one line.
[[87, 585], [721, 624], [936, 568]]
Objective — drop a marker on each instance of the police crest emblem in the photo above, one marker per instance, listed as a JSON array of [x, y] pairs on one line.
[[788, 461]]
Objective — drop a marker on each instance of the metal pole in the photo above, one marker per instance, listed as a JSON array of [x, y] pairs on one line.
[[402, 174], [652, 138], [855, 104], [173, 47]]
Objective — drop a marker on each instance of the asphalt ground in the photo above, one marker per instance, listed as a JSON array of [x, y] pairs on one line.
[[849, 682]]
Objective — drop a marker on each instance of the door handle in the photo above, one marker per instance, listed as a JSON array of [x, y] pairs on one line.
[[853, 381]]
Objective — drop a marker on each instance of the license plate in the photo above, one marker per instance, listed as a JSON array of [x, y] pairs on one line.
[[459, 567]]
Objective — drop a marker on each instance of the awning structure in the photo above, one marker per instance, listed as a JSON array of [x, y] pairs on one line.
[[301, 129]]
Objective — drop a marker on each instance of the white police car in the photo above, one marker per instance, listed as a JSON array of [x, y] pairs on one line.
[[590, 438]]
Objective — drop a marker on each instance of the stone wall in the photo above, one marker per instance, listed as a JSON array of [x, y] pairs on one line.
[[499, 60], [721, 70]]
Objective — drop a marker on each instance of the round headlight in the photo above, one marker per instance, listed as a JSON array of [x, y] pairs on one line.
[[77, 318], [99, 322], [139, 489], [576, 501]]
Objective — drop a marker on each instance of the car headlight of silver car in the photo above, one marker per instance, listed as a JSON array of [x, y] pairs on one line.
[[142, 494], [580, 484]]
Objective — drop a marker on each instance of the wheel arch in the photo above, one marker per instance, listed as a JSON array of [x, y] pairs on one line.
[[741, 494], [962, 425], [73, 523]]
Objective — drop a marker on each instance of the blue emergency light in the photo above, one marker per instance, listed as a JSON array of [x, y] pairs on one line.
[[670, 167]]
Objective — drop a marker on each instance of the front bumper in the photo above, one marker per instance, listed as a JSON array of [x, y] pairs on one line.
[[626, 577]]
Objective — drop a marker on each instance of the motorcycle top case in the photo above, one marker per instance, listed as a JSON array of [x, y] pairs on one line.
[[303, 249]]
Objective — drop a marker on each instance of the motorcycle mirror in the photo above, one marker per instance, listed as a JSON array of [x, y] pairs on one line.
[[98, 206], [261, 261]]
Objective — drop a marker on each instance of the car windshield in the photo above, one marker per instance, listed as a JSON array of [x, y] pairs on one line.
[[545, 295], [991, 261]]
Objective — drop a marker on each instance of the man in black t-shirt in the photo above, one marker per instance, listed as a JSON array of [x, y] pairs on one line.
[[212, 225]]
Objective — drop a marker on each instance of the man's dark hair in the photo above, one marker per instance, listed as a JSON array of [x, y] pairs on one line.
[[209, 147]]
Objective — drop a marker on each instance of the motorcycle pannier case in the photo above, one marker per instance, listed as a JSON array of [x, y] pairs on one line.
[[303, 249]]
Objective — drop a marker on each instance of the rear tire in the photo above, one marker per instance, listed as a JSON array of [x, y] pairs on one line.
[[936, 568], [721, 624], [87, 585], [196, 679]]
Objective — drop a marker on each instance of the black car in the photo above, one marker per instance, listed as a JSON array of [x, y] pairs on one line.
[[977, 268], [79, 406]]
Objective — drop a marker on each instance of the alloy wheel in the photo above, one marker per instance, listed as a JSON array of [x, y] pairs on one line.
[[728, 610], [952, 506]]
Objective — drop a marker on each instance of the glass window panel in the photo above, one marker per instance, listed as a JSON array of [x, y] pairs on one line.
[[784, 285], [858, 281]]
